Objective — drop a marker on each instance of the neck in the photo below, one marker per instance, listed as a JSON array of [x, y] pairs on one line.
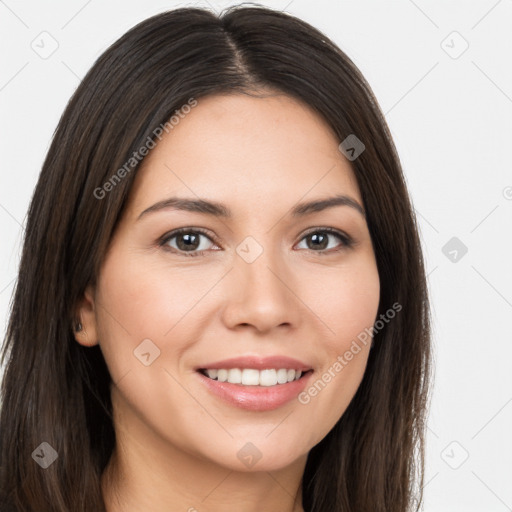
[[155, 475], [196, 487]]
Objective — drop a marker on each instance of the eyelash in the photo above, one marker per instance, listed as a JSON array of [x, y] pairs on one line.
[[346, 241]]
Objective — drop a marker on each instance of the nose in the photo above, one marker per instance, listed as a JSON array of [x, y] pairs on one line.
[[260, 294]]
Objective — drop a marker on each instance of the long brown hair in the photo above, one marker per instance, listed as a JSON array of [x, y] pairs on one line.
[[56, 391]]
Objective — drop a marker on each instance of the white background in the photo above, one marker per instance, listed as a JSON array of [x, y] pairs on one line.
[[451, 119]]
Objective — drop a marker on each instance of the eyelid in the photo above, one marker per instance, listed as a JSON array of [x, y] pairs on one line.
[[346, 240]]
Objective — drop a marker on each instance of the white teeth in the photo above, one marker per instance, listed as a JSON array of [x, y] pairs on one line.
[[282, 376], [252, 377], [212, 374], [222, 375], [268, 378], [235, 376]]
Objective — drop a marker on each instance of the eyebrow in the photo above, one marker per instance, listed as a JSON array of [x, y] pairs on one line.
[[220, 210]]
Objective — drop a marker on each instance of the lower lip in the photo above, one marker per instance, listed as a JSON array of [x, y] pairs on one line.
[[257, 398]]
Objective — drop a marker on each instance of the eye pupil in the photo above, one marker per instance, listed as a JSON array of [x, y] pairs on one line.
[[189, 243], [316, 237]]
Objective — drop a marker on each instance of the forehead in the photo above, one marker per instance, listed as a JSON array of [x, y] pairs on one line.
[[238, 147]]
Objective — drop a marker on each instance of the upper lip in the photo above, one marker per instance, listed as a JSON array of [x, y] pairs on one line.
[[258, 363]]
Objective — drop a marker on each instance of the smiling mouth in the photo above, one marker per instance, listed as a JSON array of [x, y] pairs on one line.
[[252, 377]]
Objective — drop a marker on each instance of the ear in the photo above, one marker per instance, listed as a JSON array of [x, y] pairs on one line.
[[87, 335]]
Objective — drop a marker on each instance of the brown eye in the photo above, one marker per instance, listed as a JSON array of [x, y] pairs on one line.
[[319, 240], [186, 241]]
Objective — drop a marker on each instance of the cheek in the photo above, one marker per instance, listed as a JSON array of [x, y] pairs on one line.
[[349, 307], [140, 300], [347, 302], [144, 319]]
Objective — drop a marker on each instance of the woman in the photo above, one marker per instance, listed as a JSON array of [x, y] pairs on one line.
[[286, 367]]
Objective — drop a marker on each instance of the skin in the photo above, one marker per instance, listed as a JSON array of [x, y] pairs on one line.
[[177, 443]]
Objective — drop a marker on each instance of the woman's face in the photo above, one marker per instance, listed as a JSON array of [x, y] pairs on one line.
[[271, 279]]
